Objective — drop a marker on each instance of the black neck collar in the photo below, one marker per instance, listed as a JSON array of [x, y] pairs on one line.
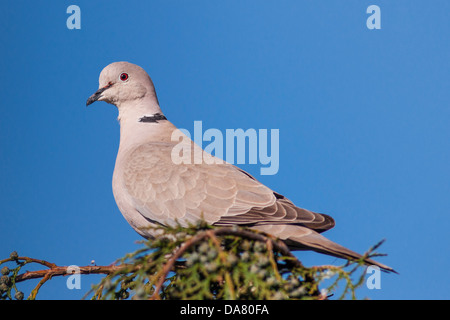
[[154, 118]]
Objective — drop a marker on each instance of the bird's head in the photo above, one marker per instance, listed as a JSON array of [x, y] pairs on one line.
[[123, 82]]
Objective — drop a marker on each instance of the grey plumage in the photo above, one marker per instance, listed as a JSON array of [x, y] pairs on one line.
[[150, 188]]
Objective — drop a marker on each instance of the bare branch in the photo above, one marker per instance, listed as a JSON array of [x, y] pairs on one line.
[[62, 271]]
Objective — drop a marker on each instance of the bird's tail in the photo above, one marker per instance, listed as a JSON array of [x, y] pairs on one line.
[[319, 243]]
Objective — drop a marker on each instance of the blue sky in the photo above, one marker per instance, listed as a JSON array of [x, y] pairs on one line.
[[363, 118]]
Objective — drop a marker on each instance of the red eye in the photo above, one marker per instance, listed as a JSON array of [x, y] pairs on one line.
[[124, 76]]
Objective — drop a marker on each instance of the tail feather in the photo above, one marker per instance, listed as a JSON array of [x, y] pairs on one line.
[[319, 243]]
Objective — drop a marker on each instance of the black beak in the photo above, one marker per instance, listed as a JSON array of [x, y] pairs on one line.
[[97, 95]]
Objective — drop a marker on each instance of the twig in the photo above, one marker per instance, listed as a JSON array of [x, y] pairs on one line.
[[161, 276], [62, 271], [39, 285], [29, 260]]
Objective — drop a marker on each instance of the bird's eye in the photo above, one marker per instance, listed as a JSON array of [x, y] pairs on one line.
[[124, 76]]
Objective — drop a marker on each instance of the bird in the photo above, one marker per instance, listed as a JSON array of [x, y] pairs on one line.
[[150, 189]]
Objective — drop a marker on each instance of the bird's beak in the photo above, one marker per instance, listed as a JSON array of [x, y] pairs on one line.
[[97, 95]]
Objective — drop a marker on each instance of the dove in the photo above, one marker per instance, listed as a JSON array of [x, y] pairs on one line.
[[151, 189]]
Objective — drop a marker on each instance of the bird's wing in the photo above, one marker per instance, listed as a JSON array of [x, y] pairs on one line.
[[221, 194]]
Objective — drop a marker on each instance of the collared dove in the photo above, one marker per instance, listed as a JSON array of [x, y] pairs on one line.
[[149, 188]]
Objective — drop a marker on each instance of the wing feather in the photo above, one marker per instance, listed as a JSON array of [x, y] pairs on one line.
[[221, 194]]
